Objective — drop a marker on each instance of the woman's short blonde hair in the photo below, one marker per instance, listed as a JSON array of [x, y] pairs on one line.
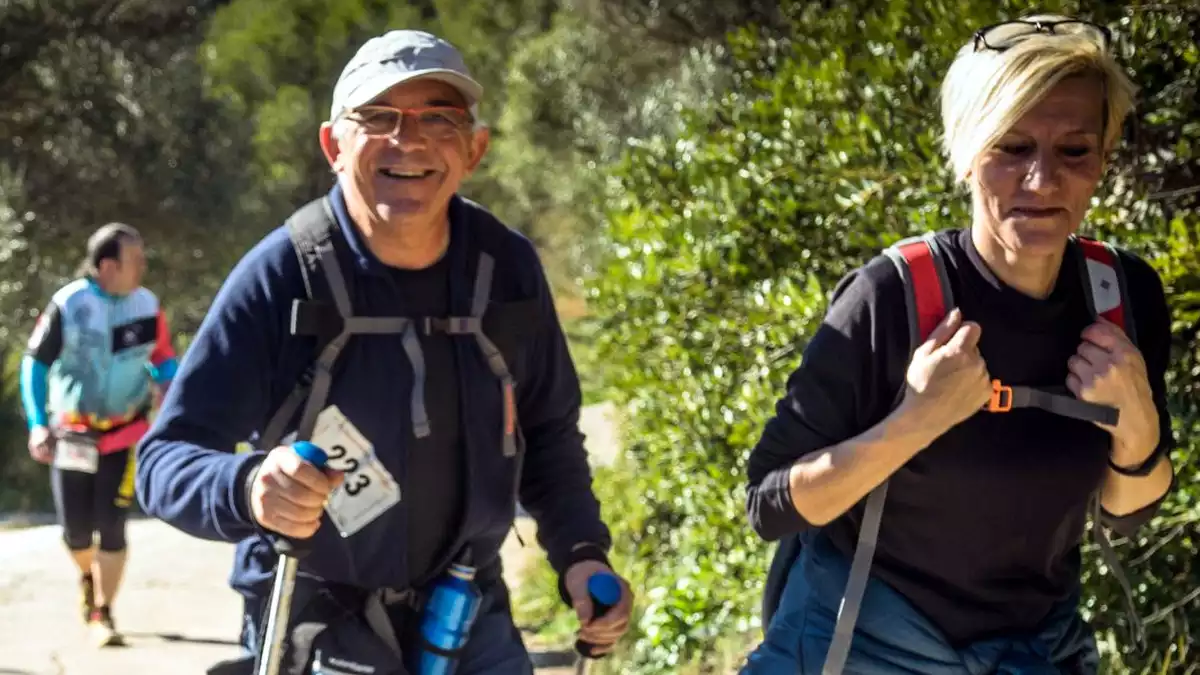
[[986, 92]]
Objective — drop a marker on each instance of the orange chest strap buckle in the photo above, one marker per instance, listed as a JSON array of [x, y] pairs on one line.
[[1001, 400]]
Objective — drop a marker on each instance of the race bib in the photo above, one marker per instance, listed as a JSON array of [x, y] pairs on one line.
[[369, 490], [74, 453]]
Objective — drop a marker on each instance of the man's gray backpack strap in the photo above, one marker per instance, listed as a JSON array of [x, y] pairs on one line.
[[311, 230], [473, 325]]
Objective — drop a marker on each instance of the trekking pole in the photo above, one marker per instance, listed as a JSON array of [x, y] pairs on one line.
[[605, 592], [290, 551]]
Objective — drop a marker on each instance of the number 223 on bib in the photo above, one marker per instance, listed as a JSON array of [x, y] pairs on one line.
[[368, 489]]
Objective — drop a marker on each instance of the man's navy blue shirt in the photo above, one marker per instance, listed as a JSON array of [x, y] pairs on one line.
[[244, 362]]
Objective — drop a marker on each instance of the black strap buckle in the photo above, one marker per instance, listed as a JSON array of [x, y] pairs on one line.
[[311, 317]]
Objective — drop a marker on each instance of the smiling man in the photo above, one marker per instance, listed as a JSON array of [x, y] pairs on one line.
[[395, 321]]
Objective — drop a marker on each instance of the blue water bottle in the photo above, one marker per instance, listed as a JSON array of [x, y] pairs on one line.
[[605, 591], [446, 623]]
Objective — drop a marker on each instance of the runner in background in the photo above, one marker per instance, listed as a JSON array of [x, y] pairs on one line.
[[86, 388]]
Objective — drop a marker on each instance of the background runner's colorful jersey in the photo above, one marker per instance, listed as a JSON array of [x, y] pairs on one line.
[[97, 354]]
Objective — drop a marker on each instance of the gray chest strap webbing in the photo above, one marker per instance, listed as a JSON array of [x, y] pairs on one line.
[[473, 325], [315, 395]]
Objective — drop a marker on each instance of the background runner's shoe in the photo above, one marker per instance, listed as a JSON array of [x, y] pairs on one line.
[[104, 632], [87, 590]]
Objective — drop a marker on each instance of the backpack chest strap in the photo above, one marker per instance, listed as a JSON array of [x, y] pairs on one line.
[[377, 325], [352, 325], [310, 319], [473, 325], [307, 319], [1006, 398], [454, 325]]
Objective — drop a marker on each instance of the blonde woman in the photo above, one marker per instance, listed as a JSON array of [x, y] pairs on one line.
[[976, 563]]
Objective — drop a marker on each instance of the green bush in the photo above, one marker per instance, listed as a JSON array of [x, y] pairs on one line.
[[723, 242]]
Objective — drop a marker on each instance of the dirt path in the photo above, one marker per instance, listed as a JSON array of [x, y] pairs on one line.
[[175, 608]]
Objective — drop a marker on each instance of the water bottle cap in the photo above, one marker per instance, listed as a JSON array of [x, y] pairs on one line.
[[311, 453], [605, 588], [464, 572]]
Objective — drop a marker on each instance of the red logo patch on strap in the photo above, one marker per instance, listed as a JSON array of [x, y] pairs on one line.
[[1104, 279]]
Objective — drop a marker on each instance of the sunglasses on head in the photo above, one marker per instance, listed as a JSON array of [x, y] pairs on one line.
[[1001, 36]]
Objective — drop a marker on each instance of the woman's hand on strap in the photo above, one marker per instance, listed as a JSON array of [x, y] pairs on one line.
[[947, 379], [1108, 369]]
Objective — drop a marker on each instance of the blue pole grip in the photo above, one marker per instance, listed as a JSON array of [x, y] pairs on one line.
[[311, 454], [298, 548], [605, 591]]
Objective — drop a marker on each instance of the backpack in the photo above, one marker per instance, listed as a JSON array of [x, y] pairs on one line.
[[929, 299], [328, 314]]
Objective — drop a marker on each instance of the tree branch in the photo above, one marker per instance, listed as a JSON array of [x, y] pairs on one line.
[[1169, 609]]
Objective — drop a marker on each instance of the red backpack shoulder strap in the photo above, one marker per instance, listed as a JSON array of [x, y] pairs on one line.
[[1104, 283], [929, 298]]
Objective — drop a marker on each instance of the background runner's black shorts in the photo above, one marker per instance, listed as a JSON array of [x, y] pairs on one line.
[[92, 506]]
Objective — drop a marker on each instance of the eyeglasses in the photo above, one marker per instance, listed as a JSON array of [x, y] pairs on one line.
[[435, 123], [1001, 36]]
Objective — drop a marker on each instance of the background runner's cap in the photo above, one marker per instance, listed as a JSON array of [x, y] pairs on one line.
[[399, 56]]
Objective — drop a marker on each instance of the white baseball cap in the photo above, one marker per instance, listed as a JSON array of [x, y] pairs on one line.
[[399, 56]]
